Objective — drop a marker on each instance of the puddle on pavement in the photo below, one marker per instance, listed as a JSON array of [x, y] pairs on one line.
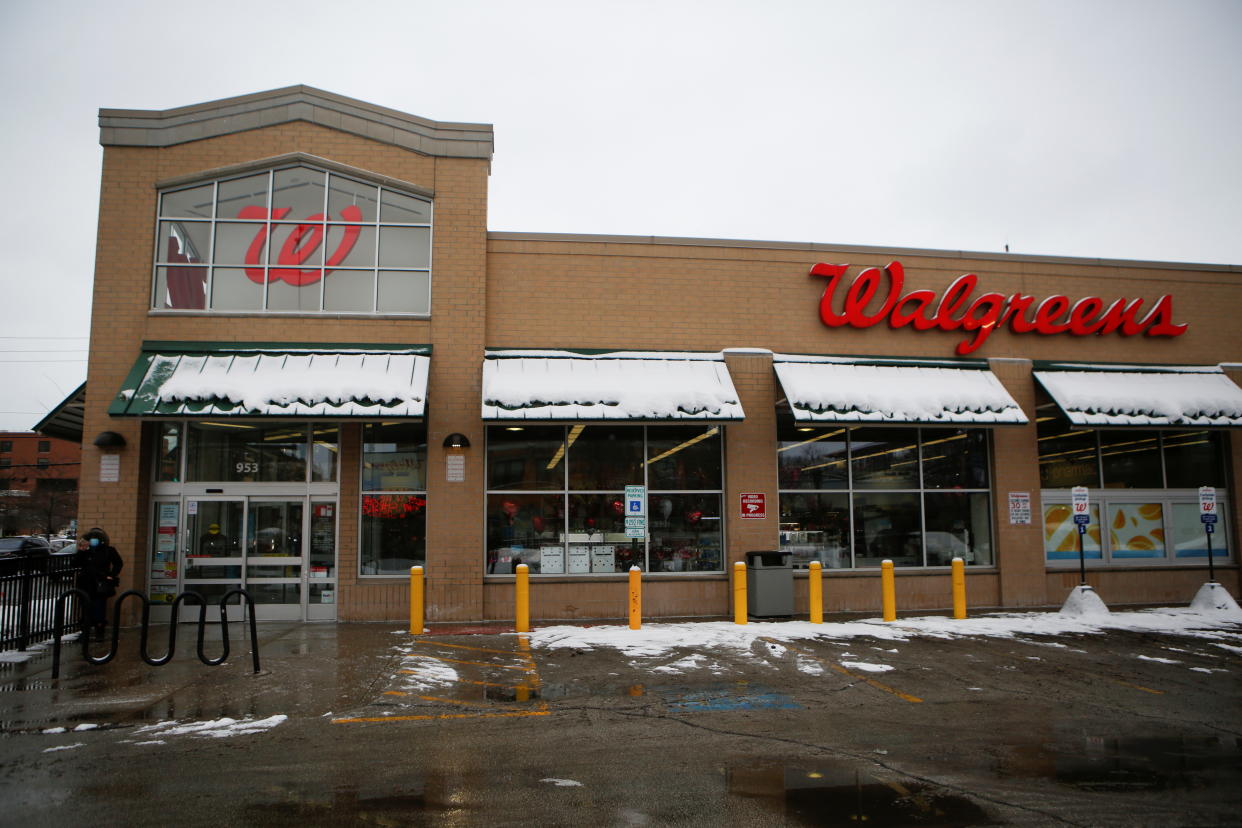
[[1134, 764], [836, 795], [373, 805]]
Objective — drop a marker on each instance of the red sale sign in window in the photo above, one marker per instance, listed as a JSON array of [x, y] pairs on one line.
[[754, 505]]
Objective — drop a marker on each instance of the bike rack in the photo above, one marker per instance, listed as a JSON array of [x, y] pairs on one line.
[[146, 623]]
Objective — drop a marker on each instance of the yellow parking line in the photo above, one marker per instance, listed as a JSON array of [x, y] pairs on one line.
[[514, 714], [1140, 687], [441, 700]]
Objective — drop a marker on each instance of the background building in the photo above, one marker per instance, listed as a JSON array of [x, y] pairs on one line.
[[38, 483]]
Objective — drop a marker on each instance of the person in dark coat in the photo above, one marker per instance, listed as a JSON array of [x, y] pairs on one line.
[[99, 576]]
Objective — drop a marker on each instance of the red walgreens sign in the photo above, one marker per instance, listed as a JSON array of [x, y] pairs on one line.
[[924, 310], [754, 505]]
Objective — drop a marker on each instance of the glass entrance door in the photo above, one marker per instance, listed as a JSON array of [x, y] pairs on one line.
[[259, 543]]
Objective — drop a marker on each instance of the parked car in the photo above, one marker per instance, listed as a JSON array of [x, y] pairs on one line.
[[63, 544], [17, 546]]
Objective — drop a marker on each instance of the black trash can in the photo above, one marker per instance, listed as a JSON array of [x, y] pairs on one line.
[[769, 584]]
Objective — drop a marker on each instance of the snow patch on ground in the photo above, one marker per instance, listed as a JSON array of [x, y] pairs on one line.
[[562, 783], [428, 673], [658, 640], [1160, 660], [866, 666], [64, 747], [810, 666], [216, 728]]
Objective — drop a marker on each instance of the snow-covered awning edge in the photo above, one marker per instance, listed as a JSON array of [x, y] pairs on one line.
[[1159, 397], [894, 392]]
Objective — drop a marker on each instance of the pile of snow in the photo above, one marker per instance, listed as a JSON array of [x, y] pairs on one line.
[[1083, 601], [1212, 597], [657, 640]]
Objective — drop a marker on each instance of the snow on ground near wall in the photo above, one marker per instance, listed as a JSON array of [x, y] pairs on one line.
[[656, 640], [217, 728]]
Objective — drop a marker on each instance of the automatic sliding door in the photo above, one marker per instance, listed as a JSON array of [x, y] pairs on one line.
[[213, 556], [274, 558]]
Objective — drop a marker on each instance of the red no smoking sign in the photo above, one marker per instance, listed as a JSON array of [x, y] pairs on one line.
[[754, 505]]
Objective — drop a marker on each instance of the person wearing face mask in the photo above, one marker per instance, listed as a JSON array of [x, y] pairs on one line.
[[101, 566]]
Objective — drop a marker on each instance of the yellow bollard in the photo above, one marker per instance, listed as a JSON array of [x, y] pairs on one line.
[[416, 600], [888, 591], [636, 598], [522, 599], [815, 586], [739, 592], [959, 588]]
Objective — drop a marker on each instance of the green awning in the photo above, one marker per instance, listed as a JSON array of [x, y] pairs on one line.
[[194, 379]]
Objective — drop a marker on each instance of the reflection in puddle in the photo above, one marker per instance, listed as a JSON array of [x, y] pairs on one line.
[[839, 795], [370, 804], [1104, 764]]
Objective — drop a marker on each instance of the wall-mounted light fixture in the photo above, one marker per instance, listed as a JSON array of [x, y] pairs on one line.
[[110, 440], [457, 440]]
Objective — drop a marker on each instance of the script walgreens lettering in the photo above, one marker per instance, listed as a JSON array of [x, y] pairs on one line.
[[978, 316]]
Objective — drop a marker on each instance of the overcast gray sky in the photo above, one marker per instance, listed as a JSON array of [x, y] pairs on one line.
[[1099, 128]]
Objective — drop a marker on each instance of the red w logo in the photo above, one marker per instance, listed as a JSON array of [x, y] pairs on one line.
[[302, 242]]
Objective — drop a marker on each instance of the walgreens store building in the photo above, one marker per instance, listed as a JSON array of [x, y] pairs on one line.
[[313, 366]]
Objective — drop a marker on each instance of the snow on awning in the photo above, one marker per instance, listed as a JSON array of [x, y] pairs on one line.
[[847, 390], [193, 380], [619, 385], [1096, 395]]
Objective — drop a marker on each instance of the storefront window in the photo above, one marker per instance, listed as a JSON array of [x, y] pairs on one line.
[[557, 493], [222, 452], [854, 497], [1162, 528], [168, 463], [394, 500], [1130, 459], [1061, 537], [294, 239]]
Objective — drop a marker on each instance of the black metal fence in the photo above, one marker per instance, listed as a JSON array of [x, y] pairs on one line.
[[28, 588]]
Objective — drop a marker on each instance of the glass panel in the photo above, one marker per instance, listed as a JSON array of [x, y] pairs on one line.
[[215, 530], [282, 296], [322, 558], [349, 290], [685, 533], [211, 594], [192, 203], [168, 463], [164, 547], [398, 208], [405, 247], [1136, 530], [394, 534], [1189, 538], [325, 448], [884, 458], [887, 527], [234, 290], [1131, 459], [350, 246], [1193, 459], [274, 593], [1066, 458], [240, 244], [275, 531], [346, 193], [181, 288], [597, 541], [184, 242], [300, 190], [957, 525], [240, 453], [322, 593], [394, 457], [404, 291], [683, 457], [1061, 533], [239, 193], [526, 457], [526, 528], [812, 457], [955, 459], [605, 457], [816, 527], [294, 248]]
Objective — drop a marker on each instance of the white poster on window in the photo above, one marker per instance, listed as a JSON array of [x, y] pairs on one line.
[[603, 559], [109, 468], [455, 468], [552, 560]]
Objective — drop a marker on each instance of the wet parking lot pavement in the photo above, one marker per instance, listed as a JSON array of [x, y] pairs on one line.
[[1006, 720]]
